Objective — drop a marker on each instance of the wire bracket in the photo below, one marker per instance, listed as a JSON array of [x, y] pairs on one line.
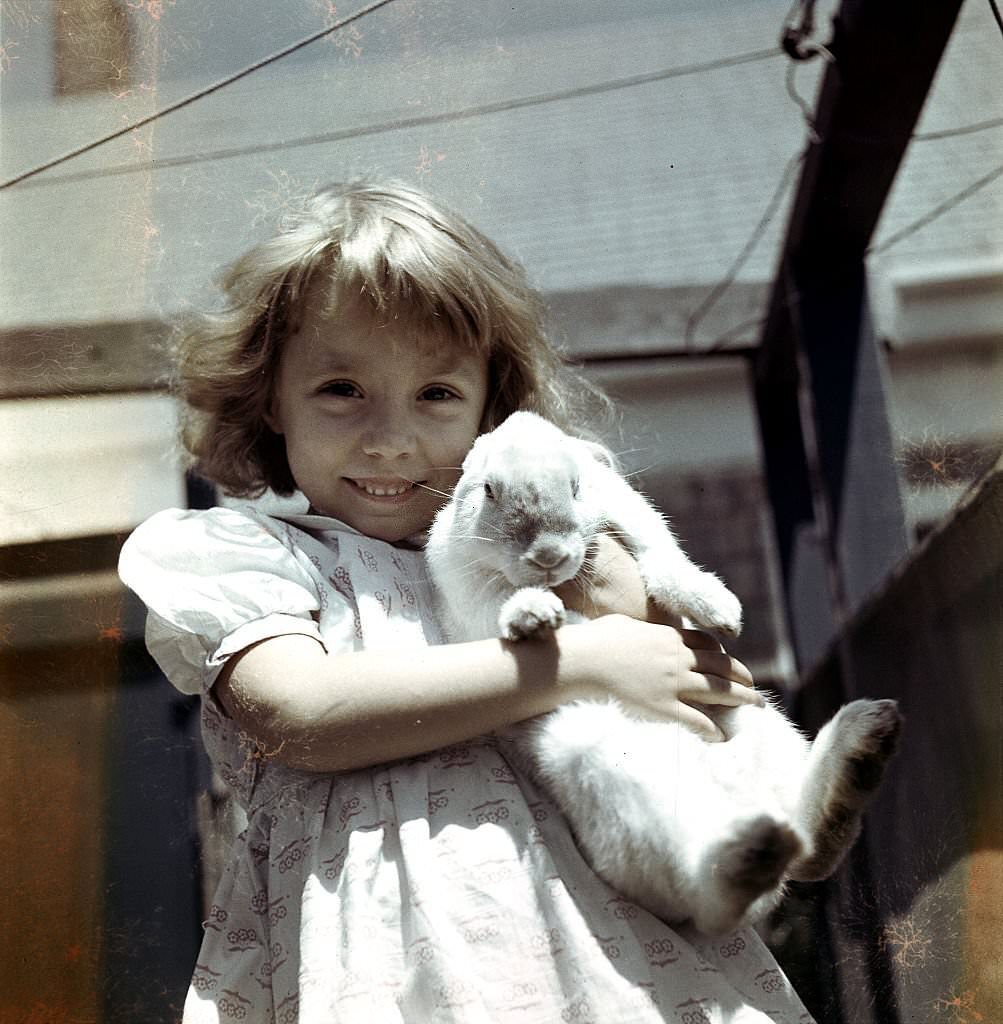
[[793, 39]]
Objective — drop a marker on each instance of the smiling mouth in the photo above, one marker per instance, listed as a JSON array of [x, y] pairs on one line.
[[383, 488]]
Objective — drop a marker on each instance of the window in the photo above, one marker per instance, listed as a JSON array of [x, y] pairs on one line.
[[92, 46]]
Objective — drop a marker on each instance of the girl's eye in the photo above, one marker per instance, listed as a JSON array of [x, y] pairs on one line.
[[437, 393], [341, 389]]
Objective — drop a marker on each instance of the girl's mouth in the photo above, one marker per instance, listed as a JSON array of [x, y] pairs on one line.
[[388, 491]]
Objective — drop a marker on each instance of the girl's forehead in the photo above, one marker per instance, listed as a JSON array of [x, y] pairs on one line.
[[333, 330], [345, 336]]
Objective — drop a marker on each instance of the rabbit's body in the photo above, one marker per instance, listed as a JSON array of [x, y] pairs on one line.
[[689, 829]]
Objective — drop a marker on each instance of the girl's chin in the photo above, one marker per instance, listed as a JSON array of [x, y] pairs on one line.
[[389, 525], [389, 518]]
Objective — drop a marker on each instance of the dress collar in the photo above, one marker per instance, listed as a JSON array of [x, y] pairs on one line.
[[320, 525]]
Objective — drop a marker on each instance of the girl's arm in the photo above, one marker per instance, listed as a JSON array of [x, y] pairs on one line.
[[320, 712]]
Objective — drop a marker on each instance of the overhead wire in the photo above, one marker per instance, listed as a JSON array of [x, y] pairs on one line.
[[757, 322], [200, 94], [938, 211], [965, 129], [398, 124], [960, 196], [715, 294], [794, 43]]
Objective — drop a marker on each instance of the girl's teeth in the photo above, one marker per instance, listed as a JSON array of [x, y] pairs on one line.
[[382, 492]]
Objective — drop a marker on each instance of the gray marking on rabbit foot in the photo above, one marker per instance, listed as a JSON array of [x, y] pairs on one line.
[[867, 734], [746, 867], [866, 739], [755, 861], [879, 724], [530, 613]]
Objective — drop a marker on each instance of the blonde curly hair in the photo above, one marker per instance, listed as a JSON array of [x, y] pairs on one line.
[[411, 260]]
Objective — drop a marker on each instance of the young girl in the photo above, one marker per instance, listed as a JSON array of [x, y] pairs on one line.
[[395, 866]]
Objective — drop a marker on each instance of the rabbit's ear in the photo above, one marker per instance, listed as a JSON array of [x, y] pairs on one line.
[[600, 453]]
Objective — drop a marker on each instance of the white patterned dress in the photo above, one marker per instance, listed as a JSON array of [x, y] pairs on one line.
[[444, 889]]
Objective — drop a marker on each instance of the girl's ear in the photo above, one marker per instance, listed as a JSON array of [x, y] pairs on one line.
[[271, 417]]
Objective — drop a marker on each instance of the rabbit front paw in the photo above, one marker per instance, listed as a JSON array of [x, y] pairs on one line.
[[530, 613], [715, 607], [703, 599]]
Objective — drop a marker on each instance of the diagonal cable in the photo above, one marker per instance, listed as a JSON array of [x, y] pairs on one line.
[[421, 120], [938, 211], [200, 94]]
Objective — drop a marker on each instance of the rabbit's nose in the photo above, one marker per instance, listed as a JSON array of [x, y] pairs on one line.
[[547, 556]]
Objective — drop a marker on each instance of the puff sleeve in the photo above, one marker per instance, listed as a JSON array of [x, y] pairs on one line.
[[214, 582]]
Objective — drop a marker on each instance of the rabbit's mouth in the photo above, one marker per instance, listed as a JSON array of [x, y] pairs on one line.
[[548, 566]]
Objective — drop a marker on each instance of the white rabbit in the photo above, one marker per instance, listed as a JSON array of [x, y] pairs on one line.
[[691, 830]]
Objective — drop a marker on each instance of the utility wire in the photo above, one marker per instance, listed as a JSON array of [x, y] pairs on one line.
[[795, 38], [401, 124], [793, 44], [200, 94], [950, 133], [712, 297], [722, 339], [939, 210]]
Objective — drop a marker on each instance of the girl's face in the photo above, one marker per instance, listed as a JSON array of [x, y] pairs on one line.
[[376, 420]]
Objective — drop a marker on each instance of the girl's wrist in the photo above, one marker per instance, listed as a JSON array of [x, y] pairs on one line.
[[584, 653]]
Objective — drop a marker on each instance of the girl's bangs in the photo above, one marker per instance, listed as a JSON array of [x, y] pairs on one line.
[[424, 306]]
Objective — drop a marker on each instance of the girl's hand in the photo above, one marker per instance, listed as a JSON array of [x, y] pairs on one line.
[[665, 673], [611, 585], [685, 667]]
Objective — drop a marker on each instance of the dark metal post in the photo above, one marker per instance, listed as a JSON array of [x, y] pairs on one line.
[[818, 376], [829, 454], [827, 442]]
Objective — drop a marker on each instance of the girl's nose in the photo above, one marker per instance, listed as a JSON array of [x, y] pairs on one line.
[[389, 437]]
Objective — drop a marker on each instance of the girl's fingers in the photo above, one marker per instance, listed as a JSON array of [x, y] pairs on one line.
[[699, 723], [714, 690], [697, 639], [717, 663]]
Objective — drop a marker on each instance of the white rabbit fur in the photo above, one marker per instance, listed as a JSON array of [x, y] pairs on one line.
[[691, 830]]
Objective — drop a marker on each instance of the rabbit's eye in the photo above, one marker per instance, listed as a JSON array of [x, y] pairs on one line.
[[574, 488], [487, 490]]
